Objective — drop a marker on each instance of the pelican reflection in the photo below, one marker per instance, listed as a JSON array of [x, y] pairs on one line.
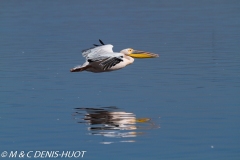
[[113, 123]]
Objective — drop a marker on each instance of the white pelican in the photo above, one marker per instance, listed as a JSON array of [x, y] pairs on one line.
[[101, 58]]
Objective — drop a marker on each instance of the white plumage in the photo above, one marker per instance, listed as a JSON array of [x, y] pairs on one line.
[[101, 58]]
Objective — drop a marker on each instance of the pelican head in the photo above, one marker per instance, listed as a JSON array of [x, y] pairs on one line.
[[138, 54]]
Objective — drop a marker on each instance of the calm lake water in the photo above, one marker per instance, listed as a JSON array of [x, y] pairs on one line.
[[182, 105]]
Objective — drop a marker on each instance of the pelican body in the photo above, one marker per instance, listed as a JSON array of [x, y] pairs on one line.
[[101, 58]]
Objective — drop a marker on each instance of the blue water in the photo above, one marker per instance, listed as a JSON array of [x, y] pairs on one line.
[[182, 105]]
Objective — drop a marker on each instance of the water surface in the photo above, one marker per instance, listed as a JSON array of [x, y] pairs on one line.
[[190, 93]]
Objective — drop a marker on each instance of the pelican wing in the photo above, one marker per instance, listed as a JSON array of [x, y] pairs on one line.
[[97, 51], [107, 60], [97, 58], [111, 61], [103, 54]]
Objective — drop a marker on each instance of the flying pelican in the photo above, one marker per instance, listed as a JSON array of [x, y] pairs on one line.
[[101, 58]]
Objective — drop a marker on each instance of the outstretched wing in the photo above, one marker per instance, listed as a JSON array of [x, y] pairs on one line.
[[110, 62], [97, 51], [107, 60], [103, 54]]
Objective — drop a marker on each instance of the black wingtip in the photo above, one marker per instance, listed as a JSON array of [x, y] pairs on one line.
[[95, 45], [101, 42]]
